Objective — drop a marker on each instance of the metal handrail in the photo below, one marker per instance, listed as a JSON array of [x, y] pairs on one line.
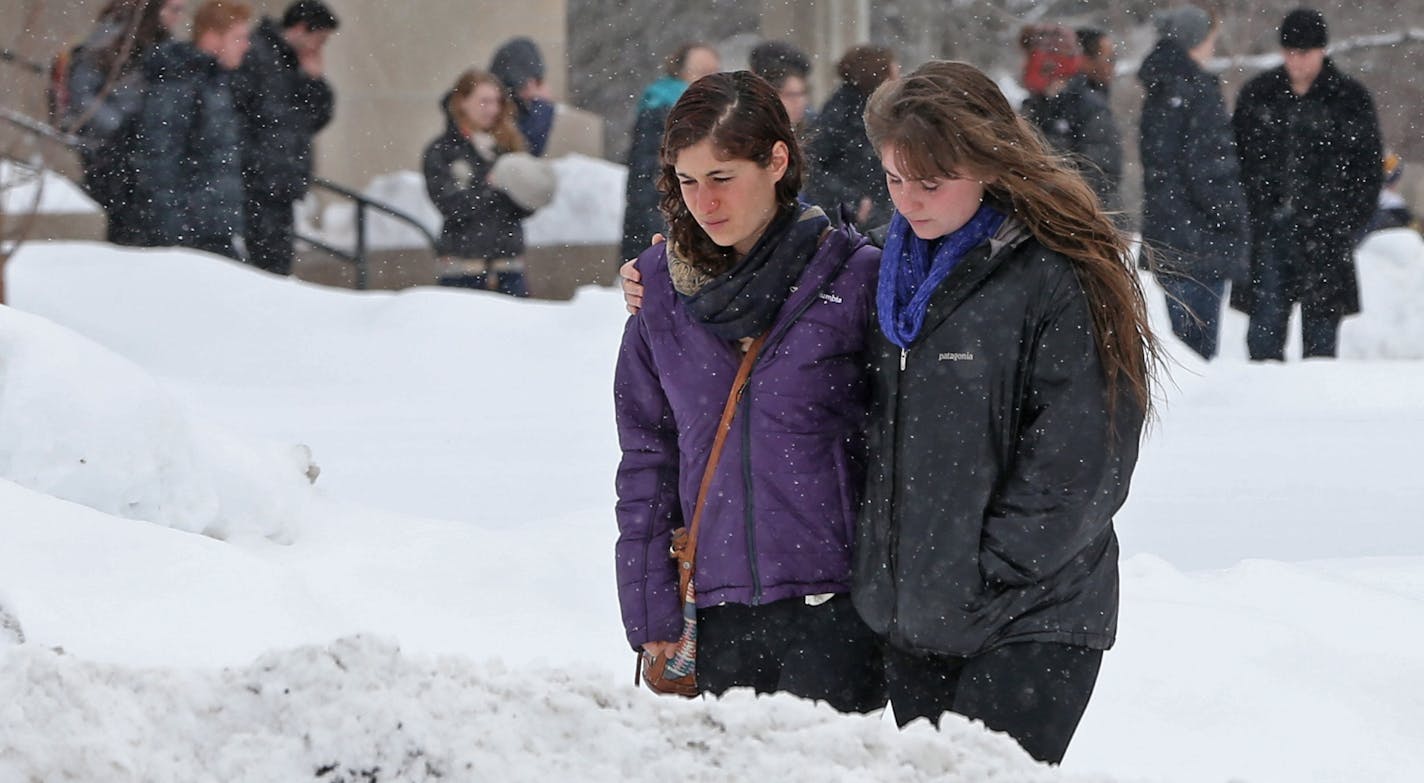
[[357, 257]]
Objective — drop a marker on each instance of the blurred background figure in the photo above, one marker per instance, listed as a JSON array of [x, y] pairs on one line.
[[520, 68], [482, 238], [844, 168], [284, 101], [98, 96], [188, 150], [641, 218], [1194, 210], [787, 69], [1393, 211], [1310, 160]]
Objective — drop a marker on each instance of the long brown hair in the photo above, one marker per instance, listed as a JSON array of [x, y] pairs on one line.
[[506, 134], [948, 119], [743, 117]]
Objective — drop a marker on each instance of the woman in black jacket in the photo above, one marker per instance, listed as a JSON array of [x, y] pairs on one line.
[[843, 166], [1010, 376], [1194, 210], [482, 238]]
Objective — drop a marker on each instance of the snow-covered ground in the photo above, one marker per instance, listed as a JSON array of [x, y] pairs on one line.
[[441, 602], [24, 190]]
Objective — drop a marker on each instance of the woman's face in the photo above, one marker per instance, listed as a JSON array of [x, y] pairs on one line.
[[482, 106], [733, 200], [933, 207], [170, 15]]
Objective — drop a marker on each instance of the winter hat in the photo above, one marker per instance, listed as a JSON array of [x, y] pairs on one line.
[[528, 180], [516, 62], [1304, 28], [1187, 25]]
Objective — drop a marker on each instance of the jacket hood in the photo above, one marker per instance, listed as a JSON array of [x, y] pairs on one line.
[[177, 60], [1166, 62]]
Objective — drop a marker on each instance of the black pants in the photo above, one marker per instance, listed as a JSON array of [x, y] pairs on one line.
[[1033, 691], [268, 234], [1271, 309], [825, 652], [1194, 307]]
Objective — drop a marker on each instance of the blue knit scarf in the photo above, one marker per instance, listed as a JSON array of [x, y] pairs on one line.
[[911, 269]]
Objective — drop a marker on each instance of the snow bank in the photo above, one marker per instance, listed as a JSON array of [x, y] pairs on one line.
[[1391, 320], [24, 190], [359, 710], [83, 424], [587, 209]]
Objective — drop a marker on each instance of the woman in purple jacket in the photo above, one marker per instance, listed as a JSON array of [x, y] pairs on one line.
[[746, 258]]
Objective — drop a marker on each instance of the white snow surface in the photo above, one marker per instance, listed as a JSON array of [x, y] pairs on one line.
[[24, 190], [587, 209], [442, 603]]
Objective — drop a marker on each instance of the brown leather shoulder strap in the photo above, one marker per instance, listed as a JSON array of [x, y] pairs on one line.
[[687, 559]]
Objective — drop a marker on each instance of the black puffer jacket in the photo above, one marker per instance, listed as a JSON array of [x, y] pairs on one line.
[[1193, 211], [188, 152], [1078, 122], [842, 165], [282, 109], [995, 470], [481, 221], [1311, 166]]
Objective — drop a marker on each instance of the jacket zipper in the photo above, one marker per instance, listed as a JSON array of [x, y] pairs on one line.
[[894, 554], [744, 401]]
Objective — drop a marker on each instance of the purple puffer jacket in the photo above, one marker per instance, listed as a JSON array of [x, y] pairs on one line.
[[780, 514]]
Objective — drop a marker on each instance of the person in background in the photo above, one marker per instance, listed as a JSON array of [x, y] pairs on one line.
[[843, 168], [1069, 76], [103, 86], [747, 263], [1393, 211], [787, 69], [1194, 210], [641, 220], [520, 68], [188, 153], [284, 100], [1310, 161], [482, 239], [1010, 379]]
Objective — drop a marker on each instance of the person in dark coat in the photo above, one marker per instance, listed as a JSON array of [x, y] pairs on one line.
[[188, 156], [1310, 150], [1010, 377], [1194, 211], [520, 67], [104, 86], [284, 100], [1069, 101], [843, 168], [641, 219], [482, 238], [787, 69], [746, 259]]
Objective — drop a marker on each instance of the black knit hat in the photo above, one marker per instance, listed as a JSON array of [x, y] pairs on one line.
[[1304, 28]]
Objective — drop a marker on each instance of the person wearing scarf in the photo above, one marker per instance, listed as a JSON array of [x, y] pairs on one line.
[[773, 563]]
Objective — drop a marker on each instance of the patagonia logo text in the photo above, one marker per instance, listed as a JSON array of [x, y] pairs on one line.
[[963, 356]]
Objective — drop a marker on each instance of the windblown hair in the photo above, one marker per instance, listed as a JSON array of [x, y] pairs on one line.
[[947, 119], [139, 27], [507, 137], [219, 16], [743, 117]]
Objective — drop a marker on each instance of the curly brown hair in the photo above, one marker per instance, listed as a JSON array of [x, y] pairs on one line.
[[947, 119], [742, 115]]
